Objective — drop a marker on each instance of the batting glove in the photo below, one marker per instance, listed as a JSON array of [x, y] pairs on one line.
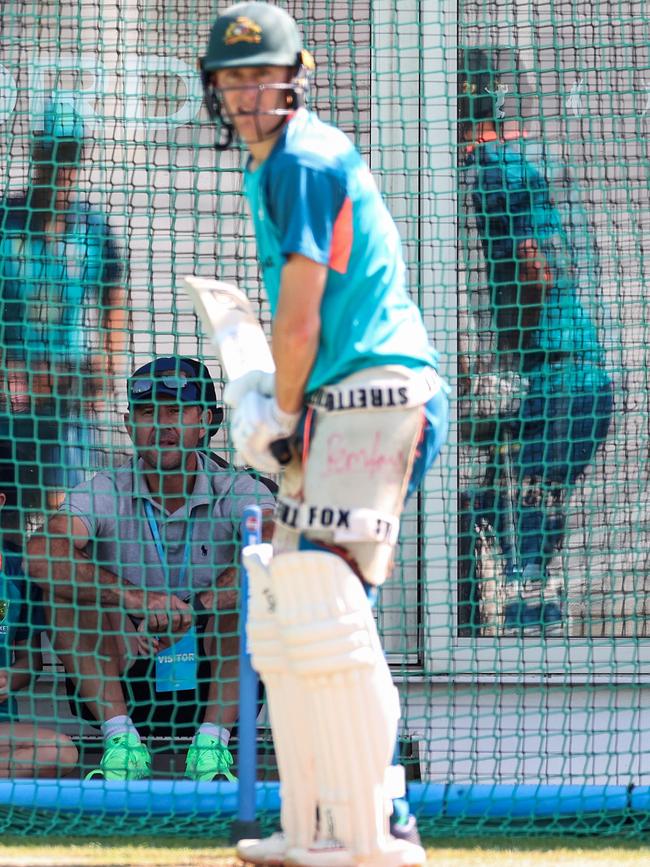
[[255, 380], [257, 422]]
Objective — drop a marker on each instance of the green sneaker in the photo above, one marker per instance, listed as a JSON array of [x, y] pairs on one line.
[[125, 758], [207, 758]]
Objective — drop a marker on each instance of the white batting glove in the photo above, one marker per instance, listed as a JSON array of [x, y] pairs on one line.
[[255, 380], [257, 422]]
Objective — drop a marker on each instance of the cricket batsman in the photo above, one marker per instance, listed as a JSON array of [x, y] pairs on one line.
[[357, 398]]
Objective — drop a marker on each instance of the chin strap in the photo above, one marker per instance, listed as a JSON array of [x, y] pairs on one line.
[[224, 143]]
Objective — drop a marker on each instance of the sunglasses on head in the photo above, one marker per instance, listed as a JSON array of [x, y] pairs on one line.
[[144, 386]]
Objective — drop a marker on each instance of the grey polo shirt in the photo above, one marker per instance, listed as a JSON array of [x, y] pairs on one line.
[[111, 506]]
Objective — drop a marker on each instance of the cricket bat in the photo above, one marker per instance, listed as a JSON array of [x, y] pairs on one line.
[[231, 326], [235, 333]]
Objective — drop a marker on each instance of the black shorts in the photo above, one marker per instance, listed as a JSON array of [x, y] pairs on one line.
[[164, 714]]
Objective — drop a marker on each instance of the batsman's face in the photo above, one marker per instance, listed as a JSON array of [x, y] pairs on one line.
[[252, 97], [165, 433]]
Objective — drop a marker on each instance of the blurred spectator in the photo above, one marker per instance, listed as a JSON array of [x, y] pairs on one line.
[[62, 313], [139, 557], [27, 749], [547, 385]]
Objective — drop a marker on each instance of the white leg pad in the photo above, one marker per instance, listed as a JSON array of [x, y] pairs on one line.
[[292, 732], [331, 639]]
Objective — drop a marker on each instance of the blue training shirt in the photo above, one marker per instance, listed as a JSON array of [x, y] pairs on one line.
[[47, 285], [314, 196], [513, 203]]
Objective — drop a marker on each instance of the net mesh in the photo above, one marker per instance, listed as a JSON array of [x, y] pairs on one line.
[[509, 142]]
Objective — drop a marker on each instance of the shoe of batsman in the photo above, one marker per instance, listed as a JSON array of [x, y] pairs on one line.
[[274, 850]]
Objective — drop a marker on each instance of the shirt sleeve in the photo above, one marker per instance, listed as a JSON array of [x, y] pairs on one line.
[[94, 502], [246, 491], [519, 203], [304, 203]]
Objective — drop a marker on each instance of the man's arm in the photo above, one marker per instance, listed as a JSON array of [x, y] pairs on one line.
[[296, 328], [227, 592], [114, 327], [504, 200], [107, 362], [113, 298], [57, 560], [534, 280]]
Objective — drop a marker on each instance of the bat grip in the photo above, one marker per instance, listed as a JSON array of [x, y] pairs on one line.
[[281, 451]]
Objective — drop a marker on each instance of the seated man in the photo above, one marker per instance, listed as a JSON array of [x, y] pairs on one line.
[[27, 748], [143, 557]]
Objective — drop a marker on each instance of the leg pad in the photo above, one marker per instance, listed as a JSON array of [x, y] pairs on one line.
[[329, 634], [292, 732]]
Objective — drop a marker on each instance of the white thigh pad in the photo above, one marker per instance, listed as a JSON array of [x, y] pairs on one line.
[[331, 640], [345, 524], [357, 467], [292, 734]]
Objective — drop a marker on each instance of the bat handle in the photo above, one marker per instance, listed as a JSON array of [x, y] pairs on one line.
[[281, 451]]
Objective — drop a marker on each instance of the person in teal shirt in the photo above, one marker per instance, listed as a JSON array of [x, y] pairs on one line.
[[62, 307], [540, 287], [27, 748], [356, 413]]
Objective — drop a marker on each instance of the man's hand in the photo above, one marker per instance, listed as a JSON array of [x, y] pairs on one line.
[[4, 685], [162, 612], [173, 615], [491, 398], [257, 422], [149, 645]]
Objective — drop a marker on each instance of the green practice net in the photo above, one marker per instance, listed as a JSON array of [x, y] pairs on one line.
[[510, 143]]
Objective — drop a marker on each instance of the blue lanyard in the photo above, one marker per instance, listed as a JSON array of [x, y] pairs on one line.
[[162, 556]]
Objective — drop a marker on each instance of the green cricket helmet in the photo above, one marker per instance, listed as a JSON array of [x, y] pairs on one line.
[[61, 133], [255, 34]]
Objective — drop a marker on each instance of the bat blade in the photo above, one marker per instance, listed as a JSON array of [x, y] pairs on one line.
[[231, 326]]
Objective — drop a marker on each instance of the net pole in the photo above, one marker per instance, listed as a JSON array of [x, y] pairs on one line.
[[246, 825]]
